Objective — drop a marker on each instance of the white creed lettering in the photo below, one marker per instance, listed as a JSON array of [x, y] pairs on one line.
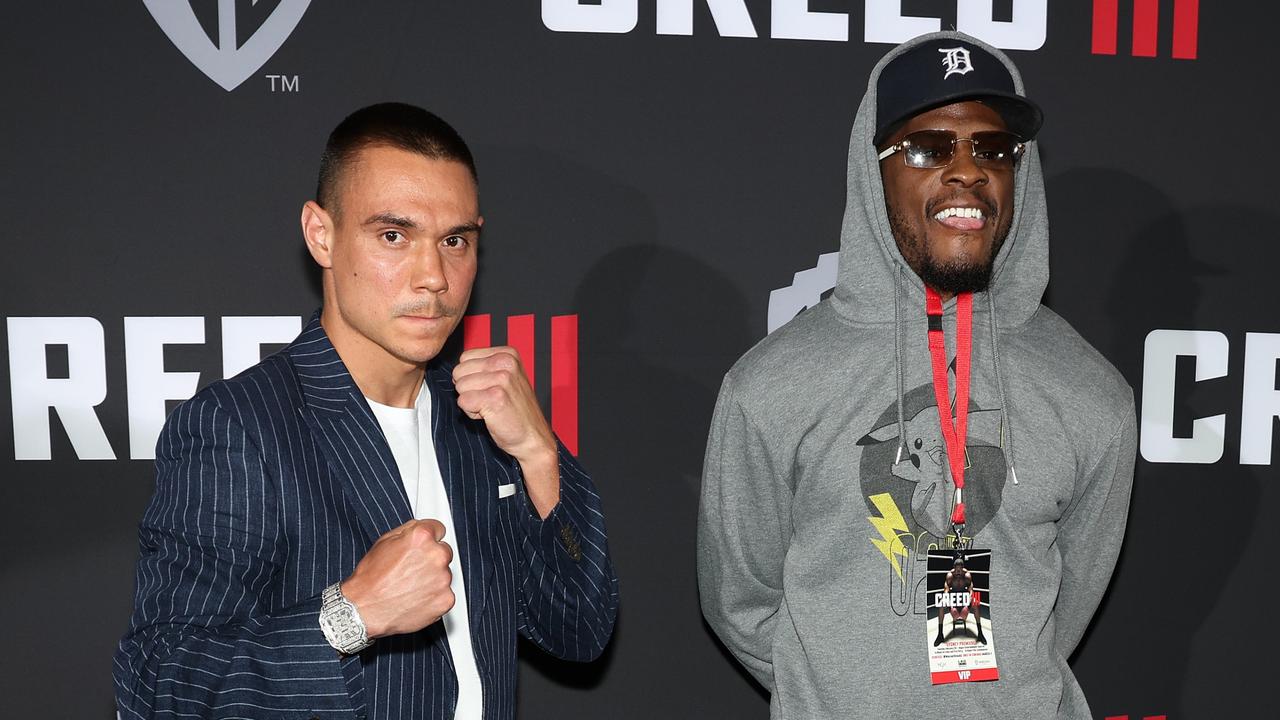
[[73, 398], [605, 16], [1261, 397], [1160, 356], [148, 385]]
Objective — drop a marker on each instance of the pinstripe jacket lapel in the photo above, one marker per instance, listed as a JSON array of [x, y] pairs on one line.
[[348, 434], [467, 480], [353, 443]]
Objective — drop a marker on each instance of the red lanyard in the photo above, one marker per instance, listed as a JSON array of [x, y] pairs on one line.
[[953, 434]]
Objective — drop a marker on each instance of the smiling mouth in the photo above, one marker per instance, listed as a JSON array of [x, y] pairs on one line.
[[962, 218]]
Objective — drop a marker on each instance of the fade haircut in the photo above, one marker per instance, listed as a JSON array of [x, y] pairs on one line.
[[397, 125]]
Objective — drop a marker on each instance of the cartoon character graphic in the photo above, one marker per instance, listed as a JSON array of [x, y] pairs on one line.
[[925, 465], [921, 477]]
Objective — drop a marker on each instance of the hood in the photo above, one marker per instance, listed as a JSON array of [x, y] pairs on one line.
[[869, 256]]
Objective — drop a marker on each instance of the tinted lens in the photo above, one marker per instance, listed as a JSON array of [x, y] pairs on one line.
[[929, 148], [996, 149]]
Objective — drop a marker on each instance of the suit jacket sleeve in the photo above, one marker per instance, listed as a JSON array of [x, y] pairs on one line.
[[207, 639], [568, 595]]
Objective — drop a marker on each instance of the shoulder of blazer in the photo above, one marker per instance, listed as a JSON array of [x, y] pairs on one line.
[[267, 394], [271, 392]]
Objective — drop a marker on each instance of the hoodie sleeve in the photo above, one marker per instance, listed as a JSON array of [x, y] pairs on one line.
[[744, 528], [1091, 531]]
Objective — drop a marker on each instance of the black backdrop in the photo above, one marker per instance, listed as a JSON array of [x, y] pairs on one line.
[[658, 186]]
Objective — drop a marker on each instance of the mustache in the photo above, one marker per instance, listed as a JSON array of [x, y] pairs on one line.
[[426, 308]]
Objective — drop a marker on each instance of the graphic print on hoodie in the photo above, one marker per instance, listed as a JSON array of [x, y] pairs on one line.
[[924, 467], [812, 541]]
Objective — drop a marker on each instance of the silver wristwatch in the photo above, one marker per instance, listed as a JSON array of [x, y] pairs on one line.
[[341, 623]]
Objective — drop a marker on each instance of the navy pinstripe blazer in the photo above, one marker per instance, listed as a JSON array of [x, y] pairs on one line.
[[271, 486]]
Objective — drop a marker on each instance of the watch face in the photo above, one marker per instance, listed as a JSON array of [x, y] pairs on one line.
[[342, 626], [345, 620]]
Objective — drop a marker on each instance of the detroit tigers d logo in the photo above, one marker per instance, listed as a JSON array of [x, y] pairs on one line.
[[228, 63], [956, 61]]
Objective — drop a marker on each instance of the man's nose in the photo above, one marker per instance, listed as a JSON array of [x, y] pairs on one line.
[[963, 169], [428, 270]]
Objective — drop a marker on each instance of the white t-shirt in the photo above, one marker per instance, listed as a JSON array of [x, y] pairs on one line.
[[415, 454]]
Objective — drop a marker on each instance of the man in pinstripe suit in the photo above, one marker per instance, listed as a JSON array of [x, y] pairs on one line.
[[356, 527]]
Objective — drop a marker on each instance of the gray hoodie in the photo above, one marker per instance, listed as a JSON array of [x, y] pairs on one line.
[[812, 535]]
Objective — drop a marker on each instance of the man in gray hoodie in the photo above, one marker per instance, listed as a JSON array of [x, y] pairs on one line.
[[827, 476]]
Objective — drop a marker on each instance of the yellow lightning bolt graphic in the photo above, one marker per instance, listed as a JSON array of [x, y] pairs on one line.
[[890, 520]]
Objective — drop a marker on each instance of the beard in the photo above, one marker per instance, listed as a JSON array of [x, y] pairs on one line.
[[954, 276]]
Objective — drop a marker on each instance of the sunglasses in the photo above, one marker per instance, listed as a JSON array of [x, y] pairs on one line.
[[932, 149]]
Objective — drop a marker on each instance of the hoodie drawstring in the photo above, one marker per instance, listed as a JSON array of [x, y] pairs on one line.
[[897, 355], [1007, 426]]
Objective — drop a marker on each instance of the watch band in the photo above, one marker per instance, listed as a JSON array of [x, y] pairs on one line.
[[341, 623]]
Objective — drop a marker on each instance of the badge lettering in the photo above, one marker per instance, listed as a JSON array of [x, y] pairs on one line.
[[954, 599]]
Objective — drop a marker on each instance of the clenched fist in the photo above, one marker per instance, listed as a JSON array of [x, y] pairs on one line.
[[402, 584], [492, 387]]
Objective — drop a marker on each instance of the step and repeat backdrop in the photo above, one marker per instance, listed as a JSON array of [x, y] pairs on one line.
[[663, 181]]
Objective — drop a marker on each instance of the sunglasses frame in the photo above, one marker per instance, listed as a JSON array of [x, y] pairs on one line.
[[1018, 148]]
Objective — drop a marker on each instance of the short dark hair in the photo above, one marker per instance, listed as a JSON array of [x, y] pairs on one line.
[[397, 125]]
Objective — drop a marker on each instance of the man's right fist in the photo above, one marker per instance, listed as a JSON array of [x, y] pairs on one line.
[[402, 584]]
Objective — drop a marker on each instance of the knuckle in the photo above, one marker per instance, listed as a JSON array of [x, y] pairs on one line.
[[422, 533]]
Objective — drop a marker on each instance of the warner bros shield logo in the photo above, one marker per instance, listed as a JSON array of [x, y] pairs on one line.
[[229, 64]]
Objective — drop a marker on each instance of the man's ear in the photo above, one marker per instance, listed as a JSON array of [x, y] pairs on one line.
[[318, 232]]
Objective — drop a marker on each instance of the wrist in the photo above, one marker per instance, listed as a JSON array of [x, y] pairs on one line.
[[353, 590], [542, 481], [542, 462]]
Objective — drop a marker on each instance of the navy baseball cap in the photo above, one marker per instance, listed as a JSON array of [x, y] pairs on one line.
[[947, 70]]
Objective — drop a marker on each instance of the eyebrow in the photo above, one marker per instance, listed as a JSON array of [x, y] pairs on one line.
[[463, 229], [391, 219]]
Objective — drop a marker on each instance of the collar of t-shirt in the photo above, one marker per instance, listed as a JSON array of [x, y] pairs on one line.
[[415, 454]]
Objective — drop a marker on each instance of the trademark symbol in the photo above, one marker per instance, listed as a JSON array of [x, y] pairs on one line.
[[284, 83]]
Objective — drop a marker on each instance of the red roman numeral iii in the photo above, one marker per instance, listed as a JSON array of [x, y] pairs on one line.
[[1146, 27], [477, 331]]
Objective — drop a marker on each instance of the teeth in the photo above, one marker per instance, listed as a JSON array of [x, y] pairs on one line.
[[959, 212]]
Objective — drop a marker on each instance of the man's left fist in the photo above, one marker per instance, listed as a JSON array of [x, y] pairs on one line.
[[492, 387]]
